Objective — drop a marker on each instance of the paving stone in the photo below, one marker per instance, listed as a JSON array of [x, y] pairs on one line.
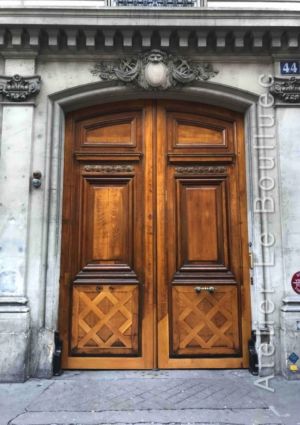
[[161, 394], [154, 417], [150, 397], [15, 397]]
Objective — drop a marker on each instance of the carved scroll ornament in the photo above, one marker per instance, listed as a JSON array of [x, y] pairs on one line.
[[154, 70], [200, 169], [286, 90], [18, 88], [109, 168]]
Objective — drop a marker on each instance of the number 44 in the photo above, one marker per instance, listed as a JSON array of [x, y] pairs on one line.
[[290, 68]]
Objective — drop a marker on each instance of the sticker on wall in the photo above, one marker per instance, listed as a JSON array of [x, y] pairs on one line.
[[293, 358], [293, 368], [296, 282]]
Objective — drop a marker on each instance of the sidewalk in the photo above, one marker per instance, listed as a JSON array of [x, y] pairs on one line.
[[150, 397]]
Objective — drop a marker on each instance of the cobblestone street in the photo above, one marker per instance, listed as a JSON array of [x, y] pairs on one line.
[[150, 397]]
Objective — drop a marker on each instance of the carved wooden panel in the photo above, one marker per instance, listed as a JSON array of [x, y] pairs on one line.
[[105, 320], [201, 221], [189, 131], [205, 323], [110, 131], [201, 213], [108, 220], [193, 133], [111, 223], [120, 133]]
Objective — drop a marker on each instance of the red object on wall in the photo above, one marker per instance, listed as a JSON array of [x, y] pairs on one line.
[[296, 282]]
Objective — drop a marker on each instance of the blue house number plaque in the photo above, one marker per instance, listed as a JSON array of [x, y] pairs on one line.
[[290, 67]]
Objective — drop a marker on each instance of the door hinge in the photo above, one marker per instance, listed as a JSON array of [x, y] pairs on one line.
[[251, 263], [251, 260], [250, 257]]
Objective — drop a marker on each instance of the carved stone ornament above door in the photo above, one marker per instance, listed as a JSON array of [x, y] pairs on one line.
[[286, 90], [18, 88], [154, 70]]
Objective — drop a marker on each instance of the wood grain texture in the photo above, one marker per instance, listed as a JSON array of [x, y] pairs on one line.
[[110, 130], [189, 133], [201, 219], [118, 134], [111, 223], [201, 214], [198, 132]]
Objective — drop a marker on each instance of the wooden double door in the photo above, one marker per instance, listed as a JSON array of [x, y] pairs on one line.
[[154, 268]]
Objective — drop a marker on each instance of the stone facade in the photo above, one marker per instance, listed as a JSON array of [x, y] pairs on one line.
[[62, 46]]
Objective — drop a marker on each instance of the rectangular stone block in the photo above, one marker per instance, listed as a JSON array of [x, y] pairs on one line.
[[14, 341]]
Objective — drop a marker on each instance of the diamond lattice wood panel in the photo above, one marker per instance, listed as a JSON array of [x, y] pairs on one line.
[[105, 319], [205, 323]]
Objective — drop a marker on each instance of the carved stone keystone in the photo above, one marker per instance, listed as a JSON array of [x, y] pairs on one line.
[[154, 70]]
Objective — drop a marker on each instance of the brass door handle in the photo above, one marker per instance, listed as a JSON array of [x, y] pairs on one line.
[[210, 289]]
